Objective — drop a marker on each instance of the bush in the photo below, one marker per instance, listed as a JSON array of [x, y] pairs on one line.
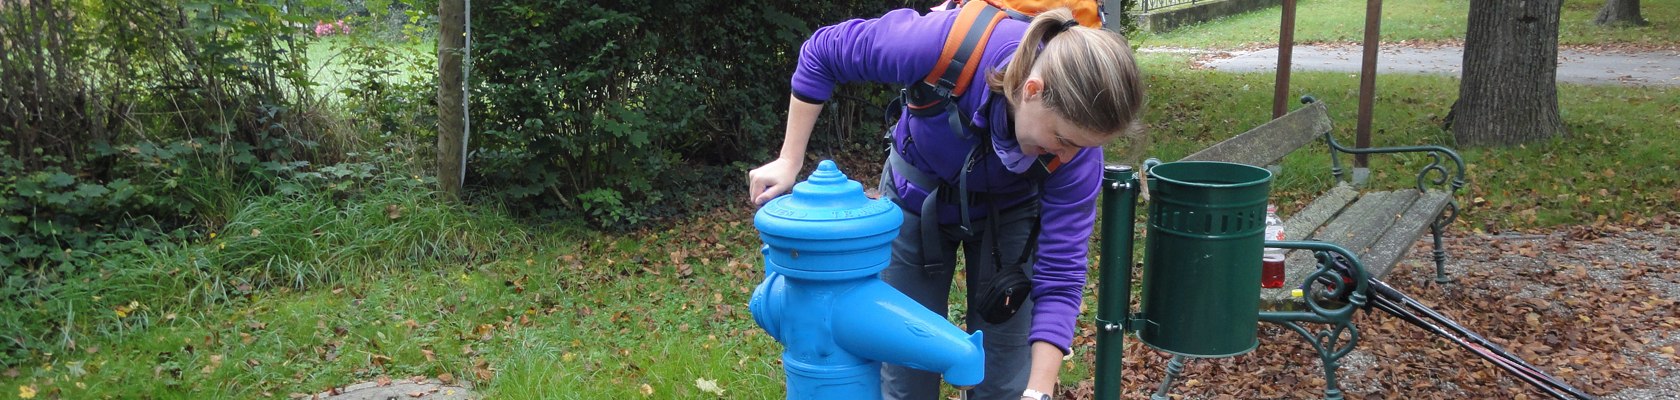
[[127, 120], [610, 109]]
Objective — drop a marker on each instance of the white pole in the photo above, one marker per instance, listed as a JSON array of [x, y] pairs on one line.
[[466, 76]]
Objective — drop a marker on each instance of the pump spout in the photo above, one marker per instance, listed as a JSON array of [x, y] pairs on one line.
[[881, 323]]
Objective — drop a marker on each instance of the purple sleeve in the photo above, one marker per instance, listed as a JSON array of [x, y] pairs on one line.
[[899, 47], [1068, 215]]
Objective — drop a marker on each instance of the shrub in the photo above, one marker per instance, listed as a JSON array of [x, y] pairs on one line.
[[125, 120], [610, 109]]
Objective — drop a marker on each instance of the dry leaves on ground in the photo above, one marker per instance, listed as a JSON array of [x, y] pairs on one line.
[[1593, 305]]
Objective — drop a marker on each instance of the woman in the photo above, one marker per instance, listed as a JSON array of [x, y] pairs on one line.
[[1053, 94]]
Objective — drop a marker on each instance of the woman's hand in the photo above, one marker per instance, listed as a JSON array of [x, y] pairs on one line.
[[774, 179], [771, 180]]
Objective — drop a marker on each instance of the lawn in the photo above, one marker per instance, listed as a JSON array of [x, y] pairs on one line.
[[528, 311], [1343, 21], [339, 62]]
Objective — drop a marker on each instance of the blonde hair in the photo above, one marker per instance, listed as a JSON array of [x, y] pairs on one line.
[[1090, 77]]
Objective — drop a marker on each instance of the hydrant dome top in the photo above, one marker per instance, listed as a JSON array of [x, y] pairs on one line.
[[817, 205]]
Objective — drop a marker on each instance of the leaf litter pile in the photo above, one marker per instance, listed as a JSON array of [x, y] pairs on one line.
[[1591, 305]]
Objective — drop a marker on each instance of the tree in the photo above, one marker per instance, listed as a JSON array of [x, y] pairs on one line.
[[1620, 13], [1508, 92], [451, 117]]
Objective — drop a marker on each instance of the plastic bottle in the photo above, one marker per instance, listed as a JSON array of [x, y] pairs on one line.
[[1271, 260]]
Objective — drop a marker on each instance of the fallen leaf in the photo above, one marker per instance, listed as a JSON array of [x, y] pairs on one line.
[[446, 378], [26, 392], [481, 368], [708, 386], [647, 390]]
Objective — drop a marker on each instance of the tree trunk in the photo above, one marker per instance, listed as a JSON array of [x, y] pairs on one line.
[[1508, 94], [451, 39], [1620, 13]]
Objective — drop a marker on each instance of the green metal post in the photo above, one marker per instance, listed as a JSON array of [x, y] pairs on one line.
[[1114, 287]]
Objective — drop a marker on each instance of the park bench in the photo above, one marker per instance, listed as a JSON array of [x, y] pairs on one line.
[[1378, 227]]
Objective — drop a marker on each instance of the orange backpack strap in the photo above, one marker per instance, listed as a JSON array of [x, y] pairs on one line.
[[958, 61], [964, 45]]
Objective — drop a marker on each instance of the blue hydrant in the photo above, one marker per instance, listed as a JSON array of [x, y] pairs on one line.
[[822, 297]]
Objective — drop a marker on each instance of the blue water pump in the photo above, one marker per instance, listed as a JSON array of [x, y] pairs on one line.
[[822, 297]]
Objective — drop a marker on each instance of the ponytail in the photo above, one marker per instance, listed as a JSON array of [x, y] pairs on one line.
[[1009, 80], [1090, 77]]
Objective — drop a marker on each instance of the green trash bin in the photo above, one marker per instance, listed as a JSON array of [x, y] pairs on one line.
[[1201, 262]]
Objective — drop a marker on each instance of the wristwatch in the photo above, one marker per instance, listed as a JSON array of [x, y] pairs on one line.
[[1034, 395]]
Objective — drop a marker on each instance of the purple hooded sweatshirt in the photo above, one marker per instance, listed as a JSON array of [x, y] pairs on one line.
[[900, 48]]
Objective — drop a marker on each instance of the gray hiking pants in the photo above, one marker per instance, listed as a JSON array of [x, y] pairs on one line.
[[1008, 356]]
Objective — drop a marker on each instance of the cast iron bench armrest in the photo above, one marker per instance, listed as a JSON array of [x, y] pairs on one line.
[[1456, 175]]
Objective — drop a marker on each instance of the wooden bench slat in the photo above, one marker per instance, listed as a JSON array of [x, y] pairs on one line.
[[1309, 219], [1268, 143], [1366, 220], [1383, 254]]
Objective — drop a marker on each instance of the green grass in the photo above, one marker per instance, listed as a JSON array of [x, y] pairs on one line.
[[543, 316], [1343, 21], [335, 60]]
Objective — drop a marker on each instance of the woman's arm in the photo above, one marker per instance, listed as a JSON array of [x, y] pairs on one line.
[[1046, 366], [778, 176], [898, 47]]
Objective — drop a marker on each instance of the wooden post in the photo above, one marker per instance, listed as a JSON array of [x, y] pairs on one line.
[[1286, 51], [1368, 79], [451, 117]]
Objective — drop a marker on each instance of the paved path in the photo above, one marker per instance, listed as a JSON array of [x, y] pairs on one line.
[[1659, 68], [400, 389]]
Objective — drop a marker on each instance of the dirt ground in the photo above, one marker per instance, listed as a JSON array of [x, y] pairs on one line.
[[1593, 305]]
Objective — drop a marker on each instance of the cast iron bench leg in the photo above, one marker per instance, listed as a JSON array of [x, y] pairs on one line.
[[1328, 342], [1441, 222]]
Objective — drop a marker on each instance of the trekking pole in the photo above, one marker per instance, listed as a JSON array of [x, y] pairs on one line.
[[1388, 306], [1478, 339], [1386, 292], [1395, 303]]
